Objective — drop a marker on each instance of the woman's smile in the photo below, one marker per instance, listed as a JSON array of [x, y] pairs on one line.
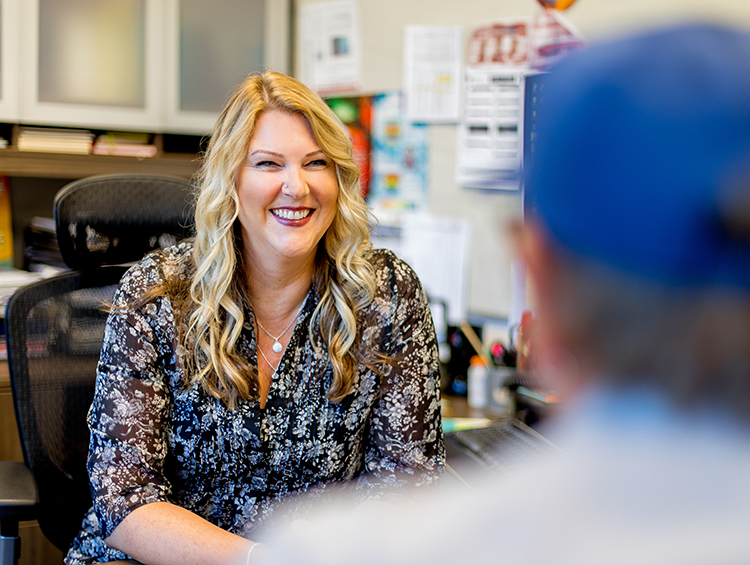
[[292, 216]]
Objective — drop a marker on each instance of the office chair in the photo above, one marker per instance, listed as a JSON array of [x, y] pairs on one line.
[[54, 330]]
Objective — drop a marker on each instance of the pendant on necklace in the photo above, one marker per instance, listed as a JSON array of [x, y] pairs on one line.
[[277, 347]]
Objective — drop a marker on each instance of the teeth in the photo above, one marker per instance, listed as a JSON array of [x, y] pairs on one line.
[[291, 214]]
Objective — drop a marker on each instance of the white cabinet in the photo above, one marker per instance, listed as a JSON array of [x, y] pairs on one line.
[[211, 46], [94, 63], [153, 65], [10, 87]]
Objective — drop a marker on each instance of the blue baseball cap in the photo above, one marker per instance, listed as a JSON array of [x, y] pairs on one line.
[[642, 158]]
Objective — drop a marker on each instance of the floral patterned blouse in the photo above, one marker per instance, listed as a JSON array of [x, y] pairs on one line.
[[249, 468]]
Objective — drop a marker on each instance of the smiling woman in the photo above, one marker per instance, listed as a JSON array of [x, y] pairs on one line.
[[275, 354]]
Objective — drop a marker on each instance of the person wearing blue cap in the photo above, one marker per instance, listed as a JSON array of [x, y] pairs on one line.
[[637, 238], [639, 217]]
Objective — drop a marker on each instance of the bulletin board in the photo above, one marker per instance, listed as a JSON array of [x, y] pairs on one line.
[[382, 24]]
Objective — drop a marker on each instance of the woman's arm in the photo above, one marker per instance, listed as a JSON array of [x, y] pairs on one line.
[[165, 534], [130, 421], [405, 442]]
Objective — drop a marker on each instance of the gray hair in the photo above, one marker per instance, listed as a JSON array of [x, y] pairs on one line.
[[692, 343]]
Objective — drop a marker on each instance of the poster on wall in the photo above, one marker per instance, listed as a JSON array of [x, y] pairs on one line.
[[490, 137], [499, 57], [398, 180], [355, 112], [329, 46]]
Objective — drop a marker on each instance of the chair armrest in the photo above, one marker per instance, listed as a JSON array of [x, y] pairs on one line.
[[18, 493]]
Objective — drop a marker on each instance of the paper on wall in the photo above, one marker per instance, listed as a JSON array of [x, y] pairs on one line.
[[500, 55], [330, 46], [399, 158], [432, 73], [437, 248]]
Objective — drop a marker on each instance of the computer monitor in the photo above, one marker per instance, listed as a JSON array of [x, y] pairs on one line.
[[533, 95]]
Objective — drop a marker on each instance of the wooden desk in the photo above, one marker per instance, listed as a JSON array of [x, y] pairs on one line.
[[458, 407], [35, 548]]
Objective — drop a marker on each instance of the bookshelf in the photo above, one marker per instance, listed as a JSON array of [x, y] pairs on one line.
[[16, 163], [177, 155], [34, 177]]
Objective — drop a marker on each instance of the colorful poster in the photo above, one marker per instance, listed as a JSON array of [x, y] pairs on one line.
[[399, 158], [356, 114]]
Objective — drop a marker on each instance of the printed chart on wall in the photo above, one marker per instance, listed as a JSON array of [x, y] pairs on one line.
[[491, 136], [432, 73], [500, 56]]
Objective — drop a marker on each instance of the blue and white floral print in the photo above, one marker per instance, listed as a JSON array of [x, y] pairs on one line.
[[154, 440]]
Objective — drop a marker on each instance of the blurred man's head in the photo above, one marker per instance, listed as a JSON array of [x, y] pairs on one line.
[[638, 231]]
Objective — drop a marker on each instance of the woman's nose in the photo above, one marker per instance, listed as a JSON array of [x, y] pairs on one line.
[[295, 185]]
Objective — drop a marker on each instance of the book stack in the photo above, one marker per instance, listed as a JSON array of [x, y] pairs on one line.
[[125, 144], [55, 140], [13, 279], [41, 250], [10, 281]]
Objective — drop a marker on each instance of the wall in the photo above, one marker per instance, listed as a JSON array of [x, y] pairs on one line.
[[383, 23]]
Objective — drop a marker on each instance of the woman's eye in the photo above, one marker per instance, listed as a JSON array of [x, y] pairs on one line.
[[318, 163], [266, 164]]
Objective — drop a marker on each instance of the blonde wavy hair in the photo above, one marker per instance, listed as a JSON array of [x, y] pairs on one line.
[[343, 277]]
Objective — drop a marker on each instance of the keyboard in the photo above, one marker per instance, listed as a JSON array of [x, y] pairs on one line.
[[500, 446]]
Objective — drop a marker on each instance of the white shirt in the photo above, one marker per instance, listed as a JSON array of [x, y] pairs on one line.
[[639, 482]]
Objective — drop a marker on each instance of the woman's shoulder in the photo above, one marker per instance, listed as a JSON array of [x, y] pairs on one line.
[[389, 268], [168, 265]]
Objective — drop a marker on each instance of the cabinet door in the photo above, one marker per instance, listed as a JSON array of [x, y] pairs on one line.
[[10, 19], [211, 47], [93, 63]]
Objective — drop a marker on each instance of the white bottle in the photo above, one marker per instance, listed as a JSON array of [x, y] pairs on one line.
[[477, 383]]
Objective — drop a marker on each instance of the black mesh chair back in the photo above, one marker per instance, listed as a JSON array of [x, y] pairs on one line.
[[113, 219], [55, 328]]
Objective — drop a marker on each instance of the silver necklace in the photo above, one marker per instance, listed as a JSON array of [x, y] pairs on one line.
[[277, 347], [267, 361]]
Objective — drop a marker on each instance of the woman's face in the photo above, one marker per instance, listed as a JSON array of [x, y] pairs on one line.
[[287, 190]]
